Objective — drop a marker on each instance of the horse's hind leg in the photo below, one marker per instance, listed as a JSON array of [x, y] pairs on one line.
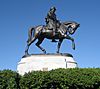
[[26, 50], [28, 44], [38, 45]]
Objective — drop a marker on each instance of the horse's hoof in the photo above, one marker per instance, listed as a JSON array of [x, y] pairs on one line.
[[73, 48], [57, 52], [24, 56], [44, 52]]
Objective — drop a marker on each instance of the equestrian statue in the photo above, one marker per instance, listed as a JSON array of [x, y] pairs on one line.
[[53, 30]]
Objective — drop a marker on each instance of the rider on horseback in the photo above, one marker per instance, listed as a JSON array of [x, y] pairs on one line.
[[52, 22]]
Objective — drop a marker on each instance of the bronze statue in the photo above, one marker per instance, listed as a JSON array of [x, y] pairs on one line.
[[51, 21], [63, 31]]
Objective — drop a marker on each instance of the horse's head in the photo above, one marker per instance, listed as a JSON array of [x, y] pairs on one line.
[[71, 26]]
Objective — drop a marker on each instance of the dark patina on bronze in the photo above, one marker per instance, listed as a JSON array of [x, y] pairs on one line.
[[53, 30]]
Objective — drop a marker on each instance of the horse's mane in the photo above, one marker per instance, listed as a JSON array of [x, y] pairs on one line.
[[69, 22]]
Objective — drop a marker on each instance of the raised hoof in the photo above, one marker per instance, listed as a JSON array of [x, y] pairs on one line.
[[73, 48]]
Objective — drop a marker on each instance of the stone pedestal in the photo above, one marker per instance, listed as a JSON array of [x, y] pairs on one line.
[[42, 62]]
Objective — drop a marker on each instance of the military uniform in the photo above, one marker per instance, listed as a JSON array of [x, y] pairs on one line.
[[51, 20]]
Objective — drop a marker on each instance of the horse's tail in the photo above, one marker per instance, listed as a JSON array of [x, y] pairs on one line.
[[31, 33]]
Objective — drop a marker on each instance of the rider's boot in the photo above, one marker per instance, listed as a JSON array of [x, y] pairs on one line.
[[64, 35]]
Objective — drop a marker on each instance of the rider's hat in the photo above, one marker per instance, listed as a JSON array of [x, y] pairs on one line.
[[52, 8]]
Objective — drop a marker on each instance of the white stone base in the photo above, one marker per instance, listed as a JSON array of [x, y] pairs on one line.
[[45, 62]]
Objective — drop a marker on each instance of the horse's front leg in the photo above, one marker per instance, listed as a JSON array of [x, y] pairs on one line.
[[72, 39], [59, 44], [38, 45]]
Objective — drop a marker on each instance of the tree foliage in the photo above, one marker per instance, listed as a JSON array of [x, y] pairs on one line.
[[78, 78]]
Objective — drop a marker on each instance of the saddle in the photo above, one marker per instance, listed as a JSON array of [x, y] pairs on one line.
[[48, 29]]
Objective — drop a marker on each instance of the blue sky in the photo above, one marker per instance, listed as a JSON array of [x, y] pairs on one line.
[[16, 16]]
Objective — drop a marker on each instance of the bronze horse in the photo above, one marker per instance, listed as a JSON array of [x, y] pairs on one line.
[[41, 32]]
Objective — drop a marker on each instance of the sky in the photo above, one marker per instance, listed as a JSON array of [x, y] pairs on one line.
[[17, 16]]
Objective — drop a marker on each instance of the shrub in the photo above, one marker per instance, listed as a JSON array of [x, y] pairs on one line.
[[78, 78], [8, 79]]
